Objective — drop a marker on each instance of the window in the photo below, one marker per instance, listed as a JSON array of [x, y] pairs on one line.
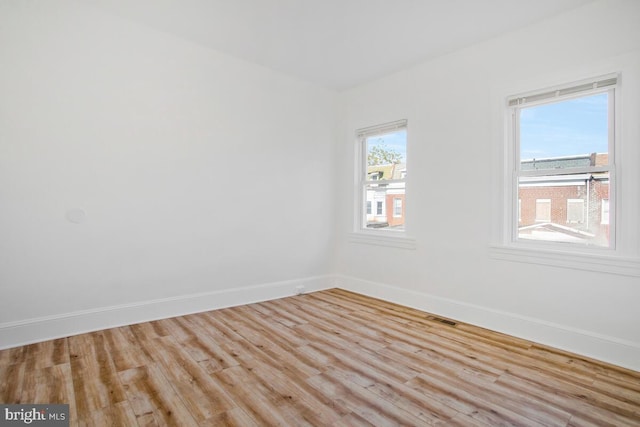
[[563, 169], [397, 207], [543, 210], [562, 144], [604, 212], [382, 168], [575, 211]]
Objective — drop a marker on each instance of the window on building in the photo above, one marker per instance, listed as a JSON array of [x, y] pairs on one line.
[[543, 210], [382, 168], [563, 141], [575, 211], [397, 208]]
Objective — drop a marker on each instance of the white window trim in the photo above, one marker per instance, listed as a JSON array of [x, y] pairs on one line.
[[603, 263], [392, 239], [377, 237], [623, 257]]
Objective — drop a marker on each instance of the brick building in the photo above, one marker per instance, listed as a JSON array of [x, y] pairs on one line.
[[385, 204], [569, 207]]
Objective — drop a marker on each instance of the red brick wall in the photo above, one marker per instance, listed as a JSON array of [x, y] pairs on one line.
[[394, 221], [559, 195]]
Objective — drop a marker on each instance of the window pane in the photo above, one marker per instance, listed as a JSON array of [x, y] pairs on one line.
[[564, 208], [385, 160], [566, 134], [386, 150], [397, 207], [385, 199]]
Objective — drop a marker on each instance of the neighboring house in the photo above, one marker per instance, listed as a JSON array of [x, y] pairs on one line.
[[385, 204], [570, 207]]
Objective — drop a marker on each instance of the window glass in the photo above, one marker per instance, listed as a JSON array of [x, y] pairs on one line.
[[564, 134], [385, 156], [563, 170]]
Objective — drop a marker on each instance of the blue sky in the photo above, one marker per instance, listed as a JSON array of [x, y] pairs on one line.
[[395, 141], [576, 126]]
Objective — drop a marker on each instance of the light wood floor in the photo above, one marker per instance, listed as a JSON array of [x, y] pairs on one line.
[[321, 359]]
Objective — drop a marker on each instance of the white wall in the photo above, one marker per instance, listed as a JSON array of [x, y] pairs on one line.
[[199, 173], [449, 104], [208, 181]]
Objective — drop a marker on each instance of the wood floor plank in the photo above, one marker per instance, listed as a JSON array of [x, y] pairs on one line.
[[119, 414], [11, 382], [261, 339], [355, 332], [150, 330], [13, 355], [454, 392], [258, 401], [53, 384], [329, 358], [406, 398], [623, 390], [566, 397], [47, 353], [283, 317], [201, 395], [235, 417], [95, 380], [352, 420], [125, 349], [153, 399], [285, 336], [317, 408], [207, 345], [379, 412]]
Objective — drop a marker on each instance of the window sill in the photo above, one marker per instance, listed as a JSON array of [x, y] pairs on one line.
[[389, 238], [603, 263]]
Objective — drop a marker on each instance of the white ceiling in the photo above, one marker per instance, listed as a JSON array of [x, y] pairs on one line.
[[337, 44]]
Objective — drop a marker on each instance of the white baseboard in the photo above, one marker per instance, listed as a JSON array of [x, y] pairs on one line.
[[597, 346], [28, 331], [608, 349]]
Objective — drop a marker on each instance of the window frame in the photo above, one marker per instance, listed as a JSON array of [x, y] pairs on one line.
[[548, 96], [623, 257], [360, 233]]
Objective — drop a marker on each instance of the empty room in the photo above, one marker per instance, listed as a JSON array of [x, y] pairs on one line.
[[321, 213]]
